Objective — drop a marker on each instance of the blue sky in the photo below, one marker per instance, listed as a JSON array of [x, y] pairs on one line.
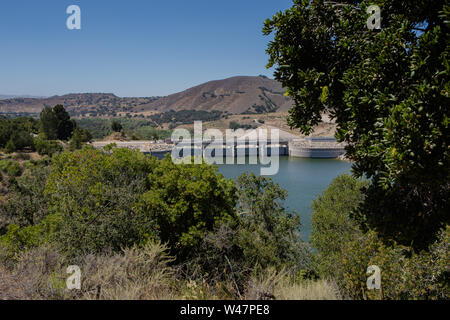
[[130, 48]]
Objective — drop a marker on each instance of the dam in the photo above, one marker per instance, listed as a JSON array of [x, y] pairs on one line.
[[309, 147]]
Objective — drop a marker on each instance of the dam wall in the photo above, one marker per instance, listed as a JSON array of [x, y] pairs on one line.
[[319, 147]]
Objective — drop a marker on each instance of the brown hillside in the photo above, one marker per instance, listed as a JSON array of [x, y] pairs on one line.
[[235, 95], [78, 104]]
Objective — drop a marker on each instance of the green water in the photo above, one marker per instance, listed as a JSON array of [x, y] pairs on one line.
[[304, 179]]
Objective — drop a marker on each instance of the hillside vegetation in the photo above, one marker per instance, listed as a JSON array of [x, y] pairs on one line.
[[234, 95]]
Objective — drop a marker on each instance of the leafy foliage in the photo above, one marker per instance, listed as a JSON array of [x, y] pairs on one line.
[[15, 134], [186, 202], [56, 123], [96, 196], [389, 94], [345, 251], [116, 126], [47, 147], [268, 234]]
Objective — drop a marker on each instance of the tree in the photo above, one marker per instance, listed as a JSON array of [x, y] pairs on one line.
[[388, 91], [344, 251], [65, 125], [79, 137], [268, 234], [96, 198], [116, 126], [10, 147], [332, 225], [56, 123], [186, 202], [49, 123]]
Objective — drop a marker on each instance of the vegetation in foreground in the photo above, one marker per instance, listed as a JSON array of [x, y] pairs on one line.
[[388, 91], [141, 228]]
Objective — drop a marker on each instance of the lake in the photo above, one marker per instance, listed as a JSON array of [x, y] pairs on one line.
[[303, 178]]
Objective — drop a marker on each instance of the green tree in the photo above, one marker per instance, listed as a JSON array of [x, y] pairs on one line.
[[49, 123], [268, 234], [332, 226], [188, 201], [388, 91], [77, 139], [344, 251], [10, 146], [56, 123], [116, 126], [97, 199]]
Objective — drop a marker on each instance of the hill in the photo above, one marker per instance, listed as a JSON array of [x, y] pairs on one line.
[[79, 104], [234, 95]]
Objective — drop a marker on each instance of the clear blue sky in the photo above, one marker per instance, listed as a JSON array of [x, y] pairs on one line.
[[130, 48]]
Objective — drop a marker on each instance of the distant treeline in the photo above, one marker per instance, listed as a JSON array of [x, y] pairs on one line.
[[185, 116], [135, 128]]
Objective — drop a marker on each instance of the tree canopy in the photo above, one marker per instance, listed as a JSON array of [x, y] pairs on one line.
[[56, 123], [388, 91]]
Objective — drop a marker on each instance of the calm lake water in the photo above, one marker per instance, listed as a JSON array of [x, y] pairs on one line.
[[304, 179]]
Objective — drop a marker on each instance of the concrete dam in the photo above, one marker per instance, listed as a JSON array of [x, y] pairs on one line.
[[309, 147]]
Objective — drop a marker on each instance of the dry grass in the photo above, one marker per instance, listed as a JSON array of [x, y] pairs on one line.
[[140, 274], [281, 286], [136, 274]]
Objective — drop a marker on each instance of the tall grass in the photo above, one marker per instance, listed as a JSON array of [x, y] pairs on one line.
[[140, 274]]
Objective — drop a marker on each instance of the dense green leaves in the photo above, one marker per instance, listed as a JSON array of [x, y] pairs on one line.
[[269, 235], [16, 134], [96, 196], [345, 252], [387, 91], [56, 123], [187, 201]]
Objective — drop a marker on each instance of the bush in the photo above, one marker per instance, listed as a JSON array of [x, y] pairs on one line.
[[22, 156], [332, 226], [10, 147], [116, 126], [264, 236], [47, 147], [10, 167], [268, 234], [187, 202], [97, 197], [27, 205], [345, 252]]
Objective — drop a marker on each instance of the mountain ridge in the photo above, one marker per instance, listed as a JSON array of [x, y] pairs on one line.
[[237, 95]]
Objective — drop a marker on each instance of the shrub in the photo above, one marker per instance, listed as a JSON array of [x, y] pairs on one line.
[[264, 236], [271, 284], [10, 147], [47, 147], [133, 274], [97, 197], [10, 167], [116, 126], [22, 156], [345, 252], [187, 202], [268, 234], [332, 226]]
